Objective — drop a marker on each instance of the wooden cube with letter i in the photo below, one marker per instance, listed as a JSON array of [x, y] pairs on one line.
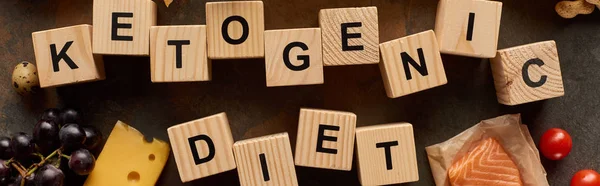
[[468, 27], [265, 160], [411, 64], [527, 73], [293, 57], [235, 29], [202, 147], [386, 154], [178, 54], [123, 27], [325, 139], [64, 56]]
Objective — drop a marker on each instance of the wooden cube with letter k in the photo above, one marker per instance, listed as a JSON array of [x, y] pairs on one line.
[[64, 56]]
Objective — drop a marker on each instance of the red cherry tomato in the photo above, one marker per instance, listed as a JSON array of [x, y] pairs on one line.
[[556, 144], [586, 178]]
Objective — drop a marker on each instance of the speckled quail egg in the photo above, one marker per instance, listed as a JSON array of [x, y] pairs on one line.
[[25, 78]]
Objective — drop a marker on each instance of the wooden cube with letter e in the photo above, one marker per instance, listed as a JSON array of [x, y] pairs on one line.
[[265, 160], [64, 56], [527, 73], [325, 139], [468, 27], [293, 57], [178, 54], [202, 147], [350, 36], [123, 27], [235, 29], [386, 154], [411, 64]]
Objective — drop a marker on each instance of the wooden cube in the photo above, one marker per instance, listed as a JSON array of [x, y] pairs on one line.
[[64, 56], [178, 54], [235, 29], [350, 36], [325, 139], [527, 73], [293, 57], [123, 27], [411, 64], [468, 27], [202, 147], [265, 160], [386, 154]]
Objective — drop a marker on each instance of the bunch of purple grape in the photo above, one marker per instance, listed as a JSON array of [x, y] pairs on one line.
[[27, 160]]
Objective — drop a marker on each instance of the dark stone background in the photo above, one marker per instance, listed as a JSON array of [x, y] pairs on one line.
[[238, 86]]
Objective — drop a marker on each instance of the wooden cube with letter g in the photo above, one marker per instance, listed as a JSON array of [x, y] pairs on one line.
[[64, 56], [202, 147]]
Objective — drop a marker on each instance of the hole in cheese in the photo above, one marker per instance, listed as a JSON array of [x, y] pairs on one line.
[[151, 157], [133, 176]]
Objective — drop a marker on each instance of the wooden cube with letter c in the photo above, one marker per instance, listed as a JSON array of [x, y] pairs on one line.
[[411, 64], [468, 27], [350, 36], [293, 57], [386, 154], [265, 160], [123, 27], [325, 139], [527, 73], [235, 29], [202, 147], [178, 54], [64, 56]]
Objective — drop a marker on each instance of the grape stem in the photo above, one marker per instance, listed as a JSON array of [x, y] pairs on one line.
[[19, 168], [66, 156], [41, 163]]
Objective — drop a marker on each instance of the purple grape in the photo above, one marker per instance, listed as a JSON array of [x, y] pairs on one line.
[[45, 135], [93, 137], [28, 180], [52, 114], [6, 151], [49, 176], [22, 145], [70, 116], [71, 136], [4, 171], [82, 162]]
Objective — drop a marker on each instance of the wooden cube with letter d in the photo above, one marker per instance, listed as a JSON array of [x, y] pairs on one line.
[[293, 57], [411, 64], [202, 147], [64, 56], [386, 154]]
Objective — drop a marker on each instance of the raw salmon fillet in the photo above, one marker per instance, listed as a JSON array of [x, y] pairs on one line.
[[486, 165]]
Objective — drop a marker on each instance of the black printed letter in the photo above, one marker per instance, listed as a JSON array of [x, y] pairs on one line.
[[263, 166], [245, 30], [538, 62], [346, 36], [116, 25], [211, 148], [62, 55], [406, 59], [388, 152], [305, 58], [178, 44], [321, 137], [470, 26]]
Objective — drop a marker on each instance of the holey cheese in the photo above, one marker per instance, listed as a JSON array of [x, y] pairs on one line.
[[128, 159]]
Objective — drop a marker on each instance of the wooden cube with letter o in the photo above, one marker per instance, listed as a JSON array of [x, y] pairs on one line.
[[293, 57], [202, 147], [64, 56]]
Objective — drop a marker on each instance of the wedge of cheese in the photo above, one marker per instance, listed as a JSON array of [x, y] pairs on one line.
[[127, 159]]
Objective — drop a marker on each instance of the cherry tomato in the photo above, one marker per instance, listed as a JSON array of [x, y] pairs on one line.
[[586, 178], [556, 144]]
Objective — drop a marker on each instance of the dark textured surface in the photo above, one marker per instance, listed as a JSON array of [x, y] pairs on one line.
[[238, 86]]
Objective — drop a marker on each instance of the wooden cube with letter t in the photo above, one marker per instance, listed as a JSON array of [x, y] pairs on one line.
[[123, 27], [350, 36], [468, 27], [411, 64], [527, 73], [178, 54], [293, 57], [235, 29], [202, 147], [325, 139], [265, 160], [64, 56], [386, 154]]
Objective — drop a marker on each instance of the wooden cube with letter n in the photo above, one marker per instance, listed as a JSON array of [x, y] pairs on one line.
[[325, 139], [293, 57], [386, 154], [350, 36], [202, 147], [265, 160], [122, 27], [468, 27], [411, 64], [527, 73], [64, 56], [178, 54], [235, 29]]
